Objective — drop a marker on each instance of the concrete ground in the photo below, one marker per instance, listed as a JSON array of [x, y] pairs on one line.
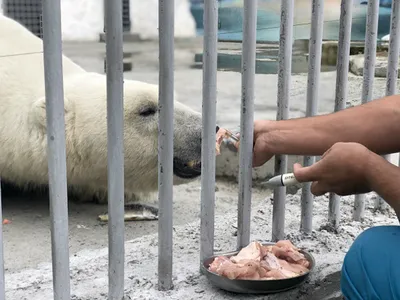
[[27, 237]]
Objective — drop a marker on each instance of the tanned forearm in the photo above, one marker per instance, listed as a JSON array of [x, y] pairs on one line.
[[375, 125], [383, 178]]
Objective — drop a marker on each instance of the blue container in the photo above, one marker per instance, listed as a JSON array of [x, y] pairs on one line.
[[268, 21]]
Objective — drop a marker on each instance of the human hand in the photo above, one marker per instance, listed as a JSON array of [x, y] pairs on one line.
[[343, 169], [260, 149]]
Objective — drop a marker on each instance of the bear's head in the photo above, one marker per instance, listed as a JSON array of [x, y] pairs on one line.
[[86, 134], [141, 133]]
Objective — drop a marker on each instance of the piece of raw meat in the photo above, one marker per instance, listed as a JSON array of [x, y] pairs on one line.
[[252, 251], [258, 262], [217, 262], [246, 269], [221, 135]]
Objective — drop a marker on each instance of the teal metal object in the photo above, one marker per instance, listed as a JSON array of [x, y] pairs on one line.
[[268, 20]]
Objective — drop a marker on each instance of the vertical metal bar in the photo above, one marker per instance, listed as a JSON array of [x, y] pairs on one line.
[[392, 70], [371, 35], [342, 64], [209, 119], [314, 69], [284, 77], [246, 121], [2, 280], [165, 142], [115, 149], [54, 91]]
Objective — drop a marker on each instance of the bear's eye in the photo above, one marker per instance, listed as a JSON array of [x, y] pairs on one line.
[[147, 111]]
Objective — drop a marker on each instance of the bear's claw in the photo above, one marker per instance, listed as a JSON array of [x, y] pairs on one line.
[[136, 212]]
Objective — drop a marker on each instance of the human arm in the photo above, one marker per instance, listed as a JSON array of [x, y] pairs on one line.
[[374, 125], [350, 168]]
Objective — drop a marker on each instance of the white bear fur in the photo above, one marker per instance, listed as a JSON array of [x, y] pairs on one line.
[[23, 140]]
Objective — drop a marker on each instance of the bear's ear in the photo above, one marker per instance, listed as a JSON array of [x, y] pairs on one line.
[[38, 116]]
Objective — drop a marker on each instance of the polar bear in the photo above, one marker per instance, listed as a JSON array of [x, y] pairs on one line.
[[23, 140]]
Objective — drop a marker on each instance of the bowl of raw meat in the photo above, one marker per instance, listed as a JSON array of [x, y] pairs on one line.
[[259, 268]]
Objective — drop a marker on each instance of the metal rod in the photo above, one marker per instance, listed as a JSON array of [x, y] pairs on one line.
[[2, 279], [209, 119], [284, 76], [165, 142], [246, 121], [392, 72], [371, 35], [115, 148], [343, 57], [54, 91], [314, 70]]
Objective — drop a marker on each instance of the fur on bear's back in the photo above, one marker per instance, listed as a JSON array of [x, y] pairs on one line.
[[21, 57], [22, 99]]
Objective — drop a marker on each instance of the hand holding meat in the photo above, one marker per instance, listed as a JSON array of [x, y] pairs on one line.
[[259, 262], [343, 170]]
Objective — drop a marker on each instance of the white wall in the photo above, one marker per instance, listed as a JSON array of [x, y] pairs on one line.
[[144, 18], [83, 20]]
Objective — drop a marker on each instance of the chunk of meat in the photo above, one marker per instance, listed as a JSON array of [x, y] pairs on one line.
[[293, 267], [258, 262], [246, 269], [217, 262], [221, 135], [252, 251]]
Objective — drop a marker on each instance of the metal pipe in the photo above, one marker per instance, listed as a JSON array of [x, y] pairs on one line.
[[247, 121], [392, 72], [343, 57], [2, 280], [371, 35], [165, 142], [115, 149], [54, 91], [209, 120], [314, 70], [284, 76]]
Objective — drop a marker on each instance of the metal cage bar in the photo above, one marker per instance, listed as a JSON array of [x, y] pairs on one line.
[[246, 121], [342, 63], [209, 120], [371, 35], [314, 70], [392, 71], [54, 91], [165, 142], [115, 149], [284, 76], [2, 279]]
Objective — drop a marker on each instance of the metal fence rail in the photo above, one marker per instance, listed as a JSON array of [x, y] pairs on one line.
[[284, 75], [209, 118], [371, 34], [392, 69], [54, 91], [314, 70], [165, 142], [53, 69], [115, 149], [246, 121]]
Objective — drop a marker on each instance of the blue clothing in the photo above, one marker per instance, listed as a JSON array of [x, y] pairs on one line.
[[371, 268]]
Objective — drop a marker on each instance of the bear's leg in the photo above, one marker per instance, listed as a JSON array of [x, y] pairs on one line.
[[136, 212]]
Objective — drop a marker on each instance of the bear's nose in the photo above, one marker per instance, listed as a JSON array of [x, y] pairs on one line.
[[217, 128]]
